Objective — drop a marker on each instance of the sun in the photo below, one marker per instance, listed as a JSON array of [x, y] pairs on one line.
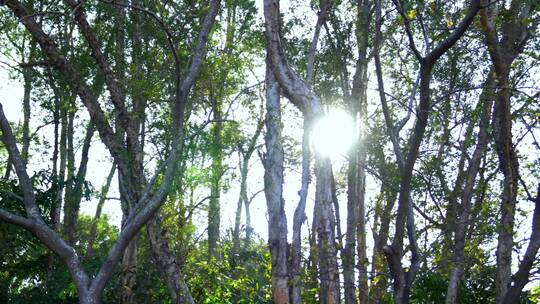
[[333, 134]]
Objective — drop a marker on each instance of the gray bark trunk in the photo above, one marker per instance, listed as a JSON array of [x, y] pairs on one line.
[[503, 51], [27, 76], [521, 277], [302, 96], [242, 197], [508, 164], [74, 190], [273, 190], [325, 226], [299, 218], [167, 263]]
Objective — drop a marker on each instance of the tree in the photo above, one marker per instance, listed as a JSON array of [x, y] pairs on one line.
[[403, 279], [303, 97], [90, 290]]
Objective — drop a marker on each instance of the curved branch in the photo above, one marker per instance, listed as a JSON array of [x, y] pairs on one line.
[[300, 94]]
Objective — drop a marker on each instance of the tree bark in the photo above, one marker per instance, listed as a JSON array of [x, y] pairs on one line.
[[167, 263], [299, 218], [359, 153], [302, 96], [273, 190], [242, 197], [521, 277], [328, 269], [74, 191], [503, 51], [27, 76]]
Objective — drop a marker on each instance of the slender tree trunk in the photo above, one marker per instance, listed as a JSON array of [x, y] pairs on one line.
[[361, 232], [55, 182], [299, 218], [27, 76], [404, 278], [313, 258], [216, 153], [273, 190], [379, 283], [241, 200], [521, 277], [503, 51], [167, 263], [328, 267], [359, 95], [75, 192], [348, 255], [324, 8], [508, 164], [249, 227]]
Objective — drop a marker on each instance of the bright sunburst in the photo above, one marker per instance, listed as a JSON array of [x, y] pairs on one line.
[[333, 134]]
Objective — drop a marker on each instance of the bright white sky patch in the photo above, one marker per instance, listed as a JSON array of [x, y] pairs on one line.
[[333, 134]]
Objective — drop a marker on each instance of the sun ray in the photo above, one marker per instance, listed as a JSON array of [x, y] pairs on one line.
[[333, 134]]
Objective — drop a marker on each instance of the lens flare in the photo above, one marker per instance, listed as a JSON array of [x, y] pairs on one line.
[[333, 134]]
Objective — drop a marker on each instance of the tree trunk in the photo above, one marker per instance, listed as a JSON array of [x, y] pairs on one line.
[[215, 184], [521, 277], [404, 278], [27, 76], [74, 191], [503, 51], [502, 131], [167, 263], [359, 96], [273, 190], [379, 283], [299, 218], [361, 232], [241, 200], [89, 298], [328, 267], [249, 228], [348, 255], [302, 96]]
